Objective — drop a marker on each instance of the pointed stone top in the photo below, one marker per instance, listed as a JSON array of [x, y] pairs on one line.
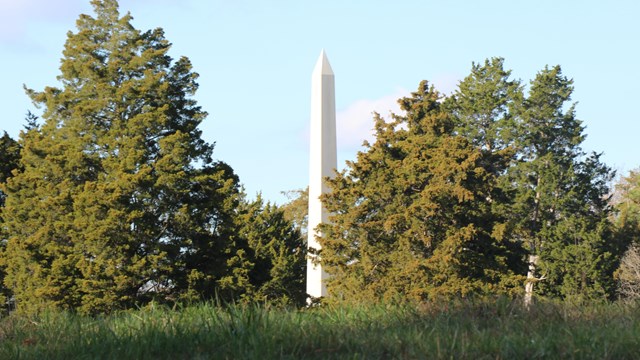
[[322, 66]]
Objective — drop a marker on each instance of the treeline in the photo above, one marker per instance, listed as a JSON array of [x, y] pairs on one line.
[[113, 200], [486, 191]]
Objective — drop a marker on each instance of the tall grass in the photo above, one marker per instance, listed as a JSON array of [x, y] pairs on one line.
[[458, 330]]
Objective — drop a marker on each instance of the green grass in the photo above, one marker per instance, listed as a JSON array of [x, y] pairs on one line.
[[466, 330]]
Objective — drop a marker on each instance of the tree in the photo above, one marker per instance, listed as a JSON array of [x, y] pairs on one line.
[[627, 224], [277, 254], [629, 274], [32, 121], [9, 162], [483, 106], [119, 201], [413, 215], [297, 209], [561, 208], [627, 203], [10, 155]]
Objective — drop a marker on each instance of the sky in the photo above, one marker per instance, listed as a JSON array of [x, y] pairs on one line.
[[255, 60]]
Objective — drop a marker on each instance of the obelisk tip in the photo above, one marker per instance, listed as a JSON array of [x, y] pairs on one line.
[[322, 66]]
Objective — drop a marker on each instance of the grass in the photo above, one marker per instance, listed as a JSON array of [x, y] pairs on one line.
[[501, 330]]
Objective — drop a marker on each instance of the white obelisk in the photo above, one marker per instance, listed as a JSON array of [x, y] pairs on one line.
[[322, 164]]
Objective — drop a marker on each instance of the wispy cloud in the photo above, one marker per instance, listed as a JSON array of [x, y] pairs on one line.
[[17, 16], [354, 124]]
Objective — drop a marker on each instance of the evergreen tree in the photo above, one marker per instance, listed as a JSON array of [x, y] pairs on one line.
[[9, 161], [297, 209], [483, 106], [119, 200], [413, 215], [277, 253], [627, 203], [561, 210], [32, 121]]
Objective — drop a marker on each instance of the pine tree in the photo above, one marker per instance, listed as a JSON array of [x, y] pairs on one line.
[[561, 209], [627, 203], [483, 106], [119, 200], [297, 209], [413, 216], [277, 253], [9, 161], [32, 121]]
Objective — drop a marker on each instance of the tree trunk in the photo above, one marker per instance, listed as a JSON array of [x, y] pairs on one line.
[[531, 279]]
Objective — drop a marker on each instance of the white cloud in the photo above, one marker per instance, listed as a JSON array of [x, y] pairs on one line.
[[19, 17], [16, 16], [355, 123], [446, 83]]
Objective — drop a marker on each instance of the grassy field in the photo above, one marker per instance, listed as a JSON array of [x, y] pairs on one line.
[[501, 330]]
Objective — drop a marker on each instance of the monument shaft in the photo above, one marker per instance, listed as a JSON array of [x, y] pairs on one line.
[[322, 164]]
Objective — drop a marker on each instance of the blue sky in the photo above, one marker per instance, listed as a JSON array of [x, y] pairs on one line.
[[255, 60]]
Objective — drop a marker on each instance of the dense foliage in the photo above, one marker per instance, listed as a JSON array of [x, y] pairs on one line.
[[118, 200], [454, 192], [414, 216], [10, 155], [277, 250], [562, 211], [9, 161]]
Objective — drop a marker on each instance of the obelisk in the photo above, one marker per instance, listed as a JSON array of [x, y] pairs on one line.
[[322, 164]]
